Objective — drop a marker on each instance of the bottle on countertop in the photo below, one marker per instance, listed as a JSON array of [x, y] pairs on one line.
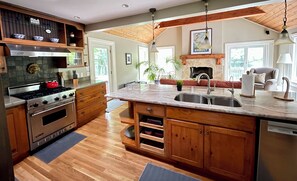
[[60, 79], [75, 78]]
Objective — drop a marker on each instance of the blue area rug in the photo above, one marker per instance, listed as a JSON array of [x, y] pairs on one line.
[[58, 147], [113, 104], [152, 172]]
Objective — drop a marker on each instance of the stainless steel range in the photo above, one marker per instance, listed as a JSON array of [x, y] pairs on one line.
[[50, 112]]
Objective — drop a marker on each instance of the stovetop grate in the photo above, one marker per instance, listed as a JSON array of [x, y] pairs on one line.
[[41, 93]]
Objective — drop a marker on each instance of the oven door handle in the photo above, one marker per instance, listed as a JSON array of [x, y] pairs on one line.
[[40, 112]]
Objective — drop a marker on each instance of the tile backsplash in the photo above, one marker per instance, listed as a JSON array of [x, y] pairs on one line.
[[18, 75]]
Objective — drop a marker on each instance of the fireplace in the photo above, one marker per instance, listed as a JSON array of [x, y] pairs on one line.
[[195, 71]]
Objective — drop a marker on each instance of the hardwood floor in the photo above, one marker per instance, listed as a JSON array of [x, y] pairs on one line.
[[101, 156]]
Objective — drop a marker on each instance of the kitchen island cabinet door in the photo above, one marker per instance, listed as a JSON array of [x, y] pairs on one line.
[[229, 152], [18, 134], [185, 142]]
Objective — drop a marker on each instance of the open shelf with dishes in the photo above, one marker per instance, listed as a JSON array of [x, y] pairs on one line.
[[30, 29], [23, 27]]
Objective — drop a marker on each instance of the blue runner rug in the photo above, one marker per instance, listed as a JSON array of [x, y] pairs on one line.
[[154, 173], [58, 147], [113, 104]]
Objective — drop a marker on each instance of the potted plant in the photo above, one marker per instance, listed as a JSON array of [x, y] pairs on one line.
[[179, 85], [153, 71]]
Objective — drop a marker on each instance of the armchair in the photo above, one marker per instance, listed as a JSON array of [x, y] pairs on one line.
[[270, 78]]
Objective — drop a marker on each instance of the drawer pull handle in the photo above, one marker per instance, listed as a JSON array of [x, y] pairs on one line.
[[149, 109]]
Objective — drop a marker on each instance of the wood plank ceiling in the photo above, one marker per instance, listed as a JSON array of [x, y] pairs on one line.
[[140, 33], [274, 14], [272, 18]]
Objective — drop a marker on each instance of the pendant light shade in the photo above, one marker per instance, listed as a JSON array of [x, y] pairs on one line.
[[206, 43], [284, 37], [153, 47]]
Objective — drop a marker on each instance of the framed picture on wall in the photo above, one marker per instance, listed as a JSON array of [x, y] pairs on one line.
[[128, 57], [197, 38]]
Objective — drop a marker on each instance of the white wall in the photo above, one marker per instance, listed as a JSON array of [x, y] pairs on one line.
[[228, 31], [125, 73]]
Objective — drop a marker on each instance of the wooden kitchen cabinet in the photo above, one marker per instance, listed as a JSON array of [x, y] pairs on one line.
[[185, 142], [229, 152], [219, 143], [90, 103], [18, 133]]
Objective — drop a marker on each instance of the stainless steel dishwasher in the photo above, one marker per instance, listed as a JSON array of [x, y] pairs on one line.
[[277, 153]]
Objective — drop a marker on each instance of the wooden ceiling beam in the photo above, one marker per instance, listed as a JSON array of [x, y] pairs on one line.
[[247, 12]]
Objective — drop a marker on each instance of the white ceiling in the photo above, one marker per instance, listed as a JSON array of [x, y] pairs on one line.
[[93, 11]]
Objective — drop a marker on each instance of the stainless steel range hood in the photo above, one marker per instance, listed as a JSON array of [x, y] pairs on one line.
[[35, 51]]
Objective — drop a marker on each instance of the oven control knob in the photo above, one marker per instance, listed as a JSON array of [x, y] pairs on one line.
[[71, 94], [64, 96], [57, 98], [45, 102], [35, 105]]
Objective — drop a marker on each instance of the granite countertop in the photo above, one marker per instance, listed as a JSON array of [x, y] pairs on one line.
[[83, 84], [263, 105], [11, 101]]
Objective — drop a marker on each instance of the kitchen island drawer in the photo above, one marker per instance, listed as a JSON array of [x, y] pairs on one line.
[[150, 109], [238, 122]]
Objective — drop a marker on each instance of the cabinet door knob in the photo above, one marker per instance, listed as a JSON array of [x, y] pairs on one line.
[[207, 133], [149, 109], [200, 131]]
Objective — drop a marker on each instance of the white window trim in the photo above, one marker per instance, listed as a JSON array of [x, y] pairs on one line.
[[142, 46], [165, 47], [91, 41], [293, 52], [269, 53]]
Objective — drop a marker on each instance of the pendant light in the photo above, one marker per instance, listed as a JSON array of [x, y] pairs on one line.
[[206, 43], [284, 37], [153, 47]]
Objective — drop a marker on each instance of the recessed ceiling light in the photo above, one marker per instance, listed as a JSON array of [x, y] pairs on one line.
[[125, 6], [76, 17]]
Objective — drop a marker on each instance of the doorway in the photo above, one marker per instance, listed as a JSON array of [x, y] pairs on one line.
[[101, 55]]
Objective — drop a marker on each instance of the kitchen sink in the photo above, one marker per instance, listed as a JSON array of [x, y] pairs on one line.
[[195, 98], [208, 99], [224, 101]]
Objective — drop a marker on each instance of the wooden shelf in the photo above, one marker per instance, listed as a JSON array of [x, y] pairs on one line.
[[153, 126], [153, 138], [126, 117], [125, 140], [218, 57], [32, 42], [150, 148]]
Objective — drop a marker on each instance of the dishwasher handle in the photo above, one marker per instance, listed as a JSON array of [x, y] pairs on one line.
[[282, 128]]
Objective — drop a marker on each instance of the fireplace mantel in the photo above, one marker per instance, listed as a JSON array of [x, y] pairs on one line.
[[218, 57]]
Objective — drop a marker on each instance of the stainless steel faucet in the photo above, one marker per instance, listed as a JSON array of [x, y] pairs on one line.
[[209, 89], [231, 90]]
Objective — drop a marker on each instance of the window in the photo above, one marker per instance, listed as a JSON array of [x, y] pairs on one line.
[[241, 57], [161, 57], [294, 59], [143, 57]]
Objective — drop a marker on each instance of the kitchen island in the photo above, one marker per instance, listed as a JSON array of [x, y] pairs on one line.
[[215, 140]]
